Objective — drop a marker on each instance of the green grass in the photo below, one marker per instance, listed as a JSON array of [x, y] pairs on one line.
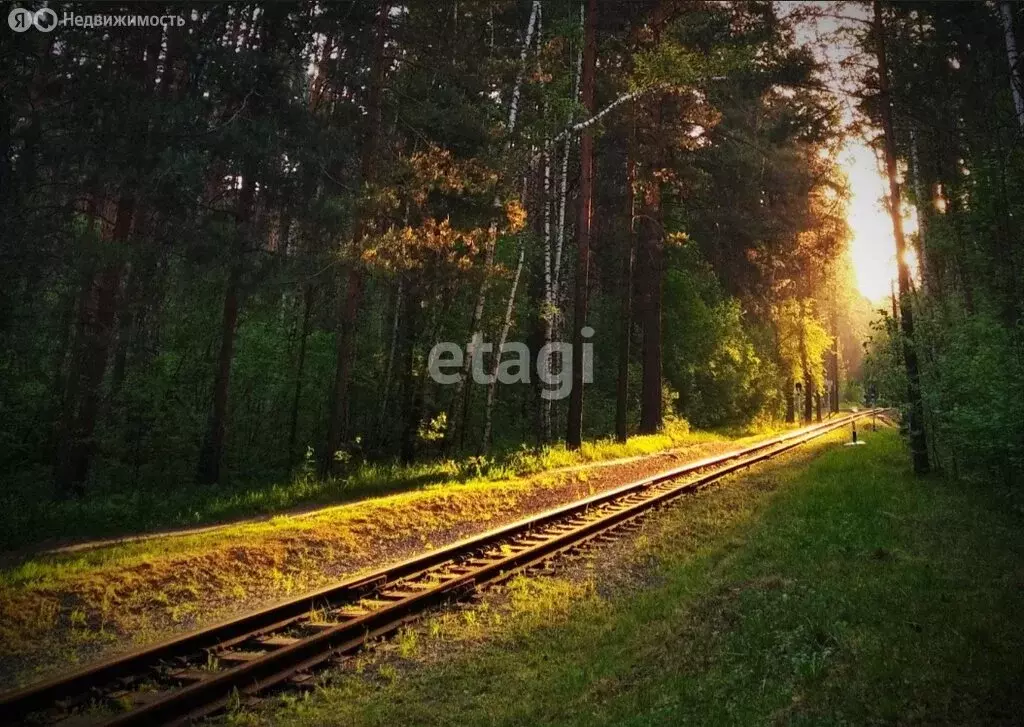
[[828, 590], [28, 516]]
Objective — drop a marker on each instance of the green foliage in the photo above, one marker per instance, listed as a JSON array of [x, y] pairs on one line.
[[671, 64], [965, 176], [710, 357], [884, 372], [803, 342], [274, 106]]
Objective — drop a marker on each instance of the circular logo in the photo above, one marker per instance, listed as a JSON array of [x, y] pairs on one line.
[[20, 19], [45, 20]]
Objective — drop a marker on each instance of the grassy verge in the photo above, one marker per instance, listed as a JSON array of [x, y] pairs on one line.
[[75, 606], [827, 590], [28, 517]]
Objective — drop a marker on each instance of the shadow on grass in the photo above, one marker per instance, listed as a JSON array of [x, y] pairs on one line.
[[839, 591]]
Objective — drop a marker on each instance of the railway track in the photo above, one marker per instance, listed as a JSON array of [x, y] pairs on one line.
[[201, 673]]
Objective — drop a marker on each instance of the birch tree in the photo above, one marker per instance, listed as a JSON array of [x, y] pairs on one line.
[[462, 392], [1012, 59]]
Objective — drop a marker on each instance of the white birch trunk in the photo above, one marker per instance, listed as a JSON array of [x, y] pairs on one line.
[[506, 325], [475, 334], [566, 150], [548, 277], [549, 300], [554, 327], [513, 109], [391, 359], [1006, 10], [562, 200]]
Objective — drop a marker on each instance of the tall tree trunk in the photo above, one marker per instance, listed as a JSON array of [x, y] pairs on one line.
[[574, 427], [348, 313], [75, 440], [76, 445], [790, 403], [549, 291], [540, 290], [212, 451], [918, 438], [558, 309], [125, 329], [385, 394], [833, 393], [505, 326], [923, 213], [411, 397], [208, 470], [1006, 12], [463, 393], [626, 299], [650, 240], [805, 366], [300, 366], [563, 190]]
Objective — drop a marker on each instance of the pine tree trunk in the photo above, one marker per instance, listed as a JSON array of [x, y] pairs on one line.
[[805, 367], [651, 250], [300, 366], [75, 441], [385, 394], [410, 391], [833, 394], [348, 313], [212, 451], [574, 427], [626, 301], [918, 438], [125, 329]]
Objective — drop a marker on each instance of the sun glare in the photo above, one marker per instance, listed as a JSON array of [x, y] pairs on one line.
[[872, 249]]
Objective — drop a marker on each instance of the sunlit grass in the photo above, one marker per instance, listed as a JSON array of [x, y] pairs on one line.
[[434, 495], [25, 518], [839, 590], [139, 589]]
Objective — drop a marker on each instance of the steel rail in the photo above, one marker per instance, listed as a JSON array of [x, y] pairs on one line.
[[402, 592]]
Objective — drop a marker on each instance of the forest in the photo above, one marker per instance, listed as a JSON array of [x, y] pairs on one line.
[[231, 243]]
